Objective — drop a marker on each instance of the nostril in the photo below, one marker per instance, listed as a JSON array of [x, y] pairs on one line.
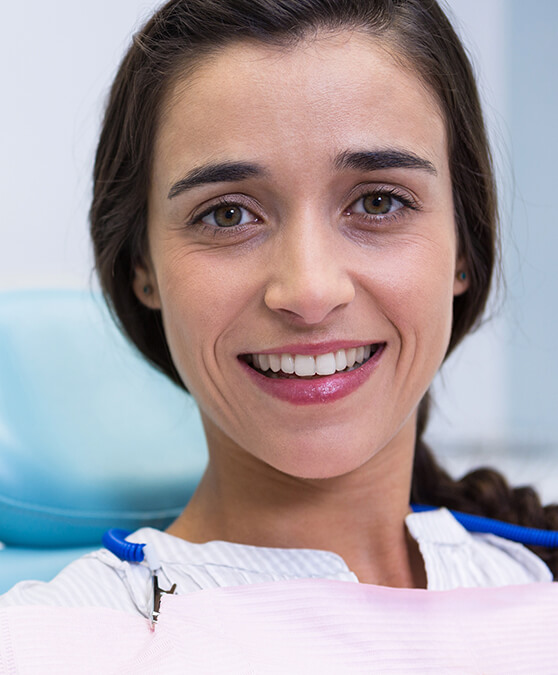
[[305, 308]]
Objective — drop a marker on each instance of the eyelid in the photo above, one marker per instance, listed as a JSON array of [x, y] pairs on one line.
[[213, 211], [406, 198], [238, 200]]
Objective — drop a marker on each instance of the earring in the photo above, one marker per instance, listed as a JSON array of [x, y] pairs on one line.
[[462, 276], [148, 289]]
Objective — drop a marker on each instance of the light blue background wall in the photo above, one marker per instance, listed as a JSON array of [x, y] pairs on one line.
[[514, 47], [532, 262], [497, 396]]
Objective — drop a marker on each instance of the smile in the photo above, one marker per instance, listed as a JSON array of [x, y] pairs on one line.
[[310, 379], [293, 366]]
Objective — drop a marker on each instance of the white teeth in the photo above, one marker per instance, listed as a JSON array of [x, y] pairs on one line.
[[304, 365], [340, 360], [275, 362], [264, 362], [325, 364], [287, 364]]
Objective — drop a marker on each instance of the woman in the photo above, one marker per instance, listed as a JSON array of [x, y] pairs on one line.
[[294, 218]]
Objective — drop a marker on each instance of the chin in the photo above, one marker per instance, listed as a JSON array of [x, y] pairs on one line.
[[319, 461]]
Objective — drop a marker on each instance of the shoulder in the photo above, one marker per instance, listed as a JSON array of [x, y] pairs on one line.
[[100, 579], [97, 579], [456, 558]]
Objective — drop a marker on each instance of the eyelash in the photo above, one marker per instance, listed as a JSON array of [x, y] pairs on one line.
[[406, 201], [235, 202], [231, 202]]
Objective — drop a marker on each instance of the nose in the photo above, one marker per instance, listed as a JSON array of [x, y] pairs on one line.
[[309, 275]]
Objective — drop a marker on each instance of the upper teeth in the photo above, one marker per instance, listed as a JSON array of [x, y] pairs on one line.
[[305, 365]]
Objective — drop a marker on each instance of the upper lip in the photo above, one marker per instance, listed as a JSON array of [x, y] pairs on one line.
[[316, 348]]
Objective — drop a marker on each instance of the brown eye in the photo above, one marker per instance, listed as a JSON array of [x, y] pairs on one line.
[[378, 204], [227, 216]]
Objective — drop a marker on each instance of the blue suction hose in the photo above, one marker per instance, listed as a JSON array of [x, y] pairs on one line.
[[115, 541], [523, 535]]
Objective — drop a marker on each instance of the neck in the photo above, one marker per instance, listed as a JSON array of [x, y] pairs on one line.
[[360, 515]]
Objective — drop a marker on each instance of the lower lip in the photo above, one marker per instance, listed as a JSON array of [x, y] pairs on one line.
[[326, 389]]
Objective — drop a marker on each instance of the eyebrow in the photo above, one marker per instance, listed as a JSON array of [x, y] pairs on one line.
[[364, 160], [372, 160], [222, 172]]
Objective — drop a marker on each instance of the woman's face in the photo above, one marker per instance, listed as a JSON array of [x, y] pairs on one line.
[[301, 209]]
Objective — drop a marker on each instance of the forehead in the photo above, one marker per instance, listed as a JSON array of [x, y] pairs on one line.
[[310, 101]]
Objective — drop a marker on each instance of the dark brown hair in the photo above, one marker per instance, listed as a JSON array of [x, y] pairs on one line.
[[173, 41]]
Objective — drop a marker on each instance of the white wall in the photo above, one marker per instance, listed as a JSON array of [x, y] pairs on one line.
[[58, 60], [462, 417]]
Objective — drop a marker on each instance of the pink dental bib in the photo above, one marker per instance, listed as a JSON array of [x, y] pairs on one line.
[[303, 626]]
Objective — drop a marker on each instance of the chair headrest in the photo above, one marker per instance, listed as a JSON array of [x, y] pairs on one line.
[[91, 436]]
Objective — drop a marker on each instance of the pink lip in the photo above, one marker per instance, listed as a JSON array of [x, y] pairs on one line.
[[326, 389]]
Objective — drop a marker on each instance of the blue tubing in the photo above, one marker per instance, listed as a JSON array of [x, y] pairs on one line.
[[115, 540], [524, 535]]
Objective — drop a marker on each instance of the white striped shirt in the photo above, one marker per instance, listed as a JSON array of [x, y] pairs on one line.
[[452, 556]]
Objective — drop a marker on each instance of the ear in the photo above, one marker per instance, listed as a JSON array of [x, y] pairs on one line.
[[461, 281], [145, 286]]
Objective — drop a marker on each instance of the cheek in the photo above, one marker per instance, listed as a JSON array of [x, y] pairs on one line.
[[200, 301], [417, 289]]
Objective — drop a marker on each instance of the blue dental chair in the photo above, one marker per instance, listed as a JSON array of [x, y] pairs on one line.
[[91, 436]]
